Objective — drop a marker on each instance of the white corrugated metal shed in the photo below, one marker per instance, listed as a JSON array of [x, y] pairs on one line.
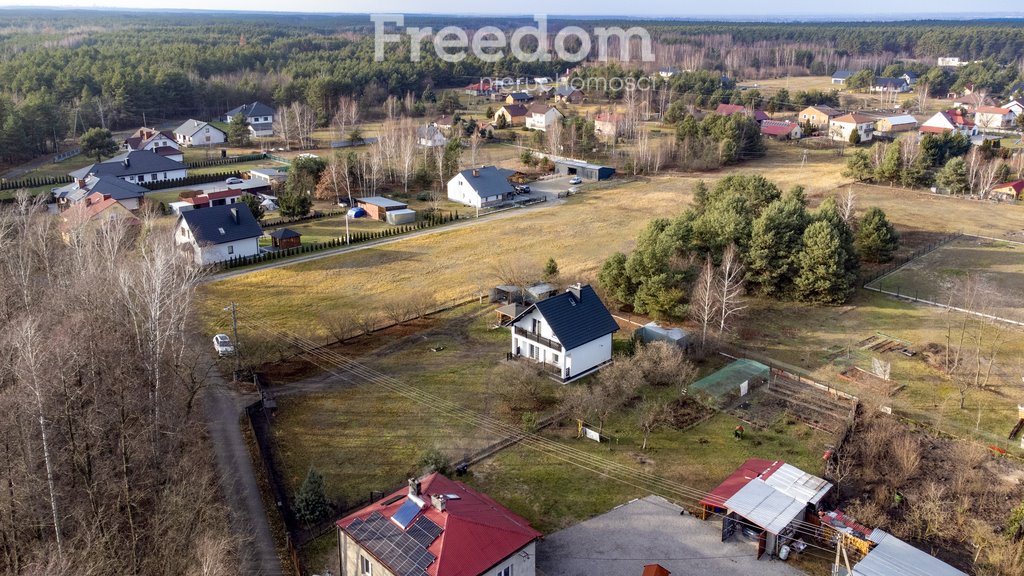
[[765, 506], [798, 485], [894, 557]]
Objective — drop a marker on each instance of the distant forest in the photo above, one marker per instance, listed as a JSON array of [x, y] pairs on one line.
[[62, 71]]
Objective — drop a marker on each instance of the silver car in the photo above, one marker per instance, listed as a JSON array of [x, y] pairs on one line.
[[222, 344]]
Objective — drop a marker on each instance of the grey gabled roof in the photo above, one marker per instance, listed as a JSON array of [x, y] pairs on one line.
[[489, 180], [565, 91], [254, 109], [284, 233], [576, 321], [131, 164], [890, 82], [115, 187], [191, 127], [842, 74], [220, 224]]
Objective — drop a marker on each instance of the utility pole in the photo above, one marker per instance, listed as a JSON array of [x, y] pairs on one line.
[[234, 330], [348, 239]]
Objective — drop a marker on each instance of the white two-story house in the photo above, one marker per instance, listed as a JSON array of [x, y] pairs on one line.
[[571, 333], [541, 117], [259, 116], [841, 127]]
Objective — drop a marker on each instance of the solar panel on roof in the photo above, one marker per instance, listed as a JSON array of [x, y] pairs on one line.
[[428, 526], [406, 513]]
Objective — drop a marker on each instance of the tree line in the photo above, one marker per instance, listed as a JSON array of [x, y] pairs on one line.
[[103, 468], [745, 235]]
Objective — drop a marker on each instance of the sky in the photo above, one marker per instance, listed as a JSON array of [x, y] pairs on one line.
[[736, 9]]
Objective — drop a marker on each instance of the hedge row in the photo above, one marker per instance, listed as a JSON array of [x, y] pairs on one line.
[[339, 242], [315, 215], [190, 180], [36, 181], [228, 160]]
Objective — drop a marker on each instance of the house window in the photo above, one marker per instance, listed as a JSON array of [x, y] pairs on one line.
[[554, 358], [536, 326], [365, 568], [231, 249], [506, 571], [152, 177]]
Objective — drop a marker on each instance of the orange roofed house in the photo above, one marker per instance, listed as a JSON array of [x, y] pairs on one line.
[[436, 527]]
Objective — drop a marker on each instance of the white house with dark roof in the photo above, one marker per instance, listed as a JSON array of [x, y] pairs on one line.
[[137, 167], [481, 187], [259, 116], [570, 334], [841, 76], [163, 142], [199, 133], [219, 233], [890, 85]]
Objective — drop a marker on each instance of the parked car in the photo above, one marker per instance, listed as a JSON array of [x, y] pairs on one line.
[[233, 180], [356, 212], [573, 190], [222, 344], [524, 189], [576, 180]]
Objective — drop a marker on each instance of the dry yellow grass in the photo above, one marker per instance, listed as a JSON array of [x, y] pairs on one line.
[[457, 264]]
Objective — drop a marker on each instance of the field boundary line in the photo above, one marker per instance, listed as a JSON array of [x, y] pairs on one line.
[[995, 239], [946, 306]]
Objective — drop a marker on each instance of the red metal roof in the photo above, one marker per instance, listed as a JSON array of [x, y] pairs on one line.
[[776, 128], [726, 109], [655, 570], [935, 129], [752, 468], [1017, 186], [993, 110], [478, 533]]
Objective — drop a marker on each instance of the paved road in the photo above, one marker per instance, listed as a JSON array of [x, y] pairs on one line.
[[509, 213], [238, 480]]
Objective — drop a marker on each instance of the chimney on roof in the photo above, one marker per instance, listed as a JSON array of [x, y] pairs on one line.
[[438, 502], [80, 182], [127, 162], [414, 487], [575, 289], [476, 173], [234, 215], [195, 122]]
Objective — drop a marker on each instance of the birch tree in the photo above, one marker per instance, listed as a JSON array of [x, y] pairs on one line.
[[729, 288], [704, 300]]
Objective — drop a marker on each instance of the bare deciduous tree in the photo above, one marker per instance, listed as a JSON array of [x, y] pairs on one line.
[[704, 300], [729, 286]]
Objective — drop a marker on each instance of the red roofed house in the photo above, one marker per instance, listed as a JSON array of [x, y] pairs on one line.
[[608, 124], [781, 130], [482, 88], [994, 117], [949, 121], [91, 213], [436, 527], [730, 109], [1008, 190]]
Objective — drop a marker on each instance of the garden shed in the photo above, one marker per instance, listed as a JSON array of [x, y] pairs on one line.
[[284, 238], [401, 216]]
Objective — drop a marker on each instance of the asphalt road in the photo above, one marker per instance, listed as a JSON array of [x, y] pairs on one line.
[[238, 480]]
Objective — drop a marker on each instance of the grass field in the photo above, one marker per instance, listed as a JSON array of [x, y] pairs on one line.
[[939, 276], [534, 484], [457, 264], [342, 431]]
